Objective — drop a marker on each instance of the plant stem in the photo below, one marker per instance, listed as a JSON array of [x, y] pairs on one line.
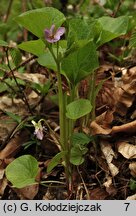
[[62, 118]]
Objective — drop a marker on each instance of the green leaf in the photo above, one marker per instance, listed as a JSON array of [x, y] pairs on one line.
[[42, 88], [22, 171], [4, 67], [16, 56], [98, 87], [112, 28], [77, 154], [78, 108], [79, 64], [82, 29], [132, 184], [3, 43], [36, 47], [15, 117], [132, 42], [79, 28], [37, 20], [47, 60], [55, 160], [80, 138], [3, 87]]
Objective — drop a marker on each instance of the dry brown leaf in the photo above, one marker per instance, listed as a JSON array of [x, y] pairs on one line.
[[2, 171], [6, 127], [127, 150], [3, 185], [133, 116], [98, 194], [17, 105], [101, 125], [109, 186], [106, 149], [113, 169], [130, 75], [12, 105], [126, 128], [14, 145], [30, 77], [28, 192], [125, 94], [132, 167], [97, 129], [109, 155], [133, 197], [108, 183]]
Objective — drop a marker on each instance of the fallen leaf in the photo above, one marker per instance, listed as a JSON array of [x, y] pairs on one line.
[[3, 185], [127, 150], [6, 127], [132, 167], [107, 150], [28, 192], [101, 125], [130, 75], [97, 129], [14, 145], [113, 169], [30, 77], [133, 197], [112, 191], [125, 94], [108, 183], [1, 173], [109, 155], [98, 194], [126, 128]]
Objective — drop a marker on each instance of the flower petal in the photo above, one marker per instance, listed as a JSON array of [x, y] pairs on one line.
[[60, 31], [39, 134], [52, 29]]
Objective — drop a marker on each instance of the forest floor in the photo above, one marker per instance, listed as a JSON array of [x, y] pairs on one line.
[[109, 170]]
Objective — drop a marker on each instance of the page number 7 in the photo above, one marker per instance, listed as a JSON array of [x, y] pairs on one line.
[[127, 204]]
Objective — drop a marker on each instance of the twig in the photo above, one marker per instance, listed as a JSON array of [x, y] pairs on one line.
[[87, 193], [117, 8], [8, 11], [16, 68], [22, 93]]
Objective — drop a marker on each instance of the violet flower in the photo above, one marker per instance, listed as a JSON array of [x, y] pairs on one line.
[[38, 130], [52, 35]]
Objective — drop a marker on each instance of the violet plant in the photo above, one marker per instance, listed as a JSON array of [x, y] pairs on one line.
[[70, 52]]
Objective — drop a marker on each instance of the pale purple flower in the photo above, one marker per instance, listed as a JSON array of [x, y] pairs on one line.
[[39, 133], [38, 130], [52, 35]]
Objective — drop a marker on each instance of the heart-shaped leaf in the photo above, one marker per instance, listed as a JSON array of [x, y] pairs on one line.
[[22, 171], [78, 108], [77, 154], [47, 60], [36, 47], [79, 64], [112, 28], [80, 138], [37, 20]]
